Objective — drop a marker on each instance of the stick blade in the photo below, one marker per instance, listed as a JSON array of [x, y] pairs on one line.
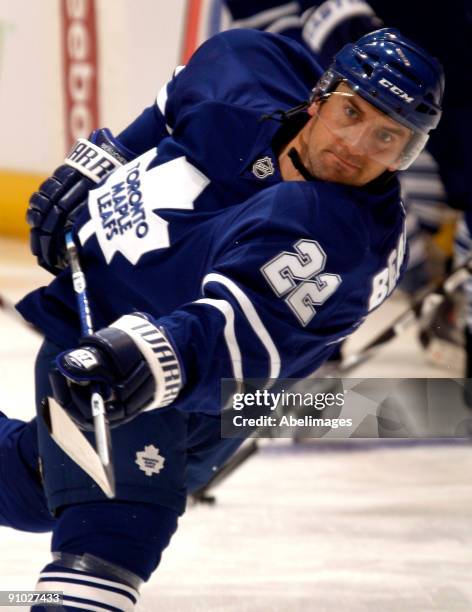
[[72, 441]]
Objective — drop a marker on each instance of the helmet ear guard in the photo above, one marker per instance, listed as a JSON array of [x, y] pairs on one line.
[[325, 85], [411, 151]]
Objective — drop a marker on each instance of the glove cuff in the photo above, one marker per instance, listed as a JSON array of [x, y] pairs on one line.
[[159, 355], [96, 157], [106, 141]]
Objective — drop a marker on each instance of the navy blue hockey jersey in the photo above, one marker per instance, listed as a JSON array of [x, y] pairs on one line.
[[247, 274]]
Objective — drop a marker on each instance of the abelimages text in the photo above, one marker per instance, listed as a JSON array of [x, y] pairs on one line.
[[290, 421]]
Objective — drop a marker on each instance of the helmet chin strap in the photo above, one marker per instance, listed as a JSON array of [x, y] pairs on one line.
[[298, 165], [281, 115]]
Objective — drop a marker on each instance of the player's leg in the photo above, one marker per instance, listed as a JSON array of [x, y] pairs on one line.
[[103, 551], [104, 548], [149, 450]]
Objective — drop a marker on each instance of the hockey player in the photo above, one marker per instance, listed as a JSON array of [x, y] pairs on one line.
[[260, 232]]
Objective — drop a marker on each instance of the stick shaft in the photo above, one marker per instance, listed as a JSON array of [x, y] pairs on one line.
[[100, 422]]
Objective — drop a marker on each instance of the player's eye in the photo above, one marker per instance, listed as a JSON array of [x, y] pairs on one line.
[[350, 112], [384, 137]]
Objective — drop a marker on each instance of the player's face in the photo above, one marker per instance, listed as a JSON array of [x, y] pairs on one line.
[[349, 141]]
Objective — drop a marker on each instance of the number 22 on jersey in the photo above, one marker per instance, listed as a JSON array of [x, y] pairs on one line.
[[298, 278]]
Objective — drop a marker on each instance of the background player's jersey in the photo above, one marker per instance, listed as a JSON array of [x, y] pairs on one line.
[[248, 275], [322, 26]]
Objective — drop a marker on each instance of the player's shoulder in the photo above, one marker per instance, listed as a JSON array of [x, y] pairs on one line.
[[261, 53], [242, 39], [372, 211]]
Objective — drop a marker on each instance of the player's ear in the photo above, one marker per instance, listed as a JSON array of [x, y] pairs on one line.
[[395, 166], [314, 108]]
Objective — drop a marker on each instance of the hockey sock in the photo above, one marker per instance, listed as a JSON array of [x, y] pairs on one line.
[[103, 551], [87, 583]]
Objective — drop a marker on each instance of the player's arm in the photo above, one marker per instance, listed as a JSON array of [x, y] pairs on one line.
[[59, 199], [246, 324]]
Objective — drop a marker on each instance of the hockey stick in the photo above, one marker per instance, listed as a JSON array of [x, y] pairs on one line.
[[100, 421], [98, 464], [203, 494]]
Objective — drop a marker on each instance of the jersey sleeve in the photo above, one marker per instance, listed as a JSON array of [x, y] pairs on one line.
[[275, 298], [245, 68], [152, 125]]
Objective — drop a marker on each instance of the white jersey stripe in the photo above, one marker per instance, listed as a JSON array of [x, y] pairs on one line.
[[162, 95], [230, 336], [161, 99], [265, 17], [285, 24], [253, 318], [73, 605]]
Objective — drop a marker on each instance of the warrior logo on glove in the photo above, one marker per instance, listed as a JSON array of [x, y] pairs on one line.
[[81, 358]]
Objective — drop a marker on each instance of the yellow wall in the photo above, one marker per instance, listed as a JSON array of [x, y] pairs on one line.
[[15, 191]]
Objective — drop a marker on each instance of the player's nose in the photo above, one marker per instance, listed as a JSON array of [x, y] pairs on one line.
[[351, 152], [353, 139]]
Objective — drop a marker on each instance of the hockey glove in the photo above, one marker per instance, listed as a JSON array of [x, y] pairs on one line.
[[133, 363], [53, 209]]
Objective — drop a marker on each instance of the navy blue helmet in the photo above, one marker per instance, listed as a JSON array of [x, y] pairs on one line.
[[396, 76]]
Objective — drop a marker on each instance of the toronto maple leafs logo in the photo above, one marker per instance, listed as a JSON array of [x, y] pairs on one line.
[[149, 460], [123, 209]]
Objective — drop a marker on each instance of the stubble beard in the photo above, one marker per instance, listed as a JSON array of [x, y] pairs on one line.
[[327, 170]]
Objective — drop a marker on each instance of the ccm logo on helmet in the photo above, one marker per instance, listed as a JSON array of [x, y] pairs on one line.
[[396, 90]]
